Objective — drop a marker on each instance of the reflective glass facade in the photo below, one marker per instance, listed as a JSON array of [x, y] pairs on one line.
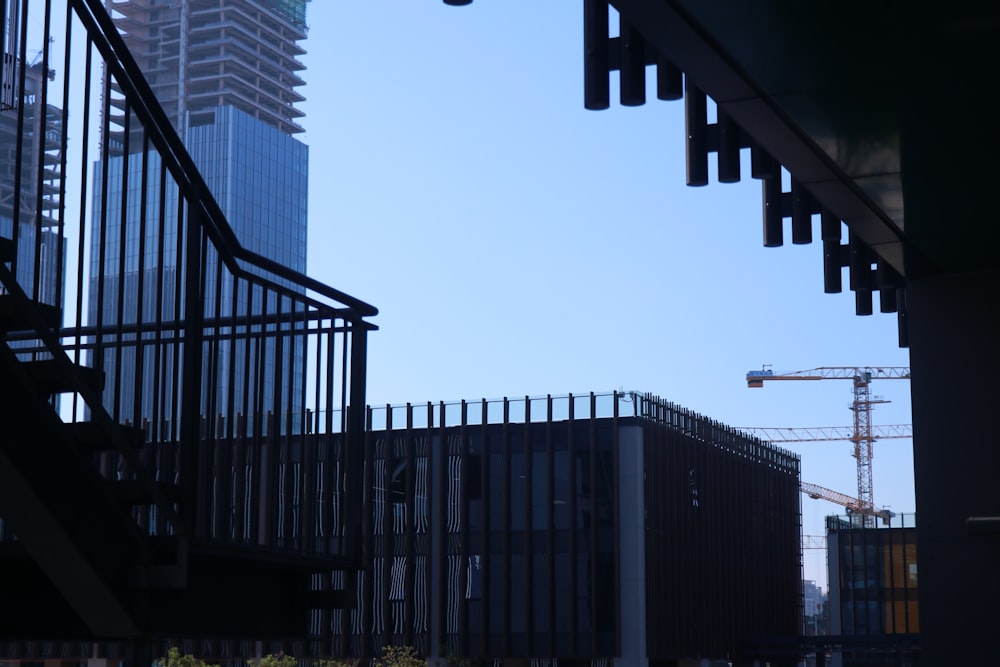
[[259, 178], [874, 592], [226, 73], [30, 188]]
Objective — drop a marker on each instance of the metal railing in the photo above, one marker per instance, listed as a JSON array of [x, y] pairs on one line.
[[199, 341]]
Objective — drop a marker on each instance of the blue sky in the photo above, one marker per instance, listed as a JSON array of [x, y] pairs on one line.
[[517, 244]]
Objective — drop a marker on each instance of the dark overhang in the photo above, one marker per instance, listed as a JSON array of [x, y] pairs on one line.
[[877, 108]]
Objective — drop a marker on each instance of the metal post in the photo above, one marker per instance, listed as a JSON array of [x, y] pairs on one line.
[[354, 443], [191, 380]]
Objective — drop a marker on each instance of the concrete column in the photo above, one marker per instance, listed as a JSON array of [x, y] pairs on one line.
[[955, 365], [632, 545]]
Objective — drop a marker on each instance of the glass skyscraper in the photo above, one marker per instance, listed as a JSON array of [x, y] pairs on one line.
[[226, 73], [30, 184]]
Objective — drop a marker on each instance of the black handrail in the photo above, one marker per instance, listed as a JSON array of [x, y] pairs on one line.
[[129, 77]]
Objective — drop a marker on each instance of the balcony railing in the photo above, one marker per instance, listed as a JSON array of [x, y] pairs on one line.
[[198, 341]]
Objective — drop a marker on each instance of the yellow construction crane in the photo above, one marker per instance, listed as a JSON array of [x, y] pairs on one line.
[[824, 433], [864, 434], [853, 505], [813, 542]]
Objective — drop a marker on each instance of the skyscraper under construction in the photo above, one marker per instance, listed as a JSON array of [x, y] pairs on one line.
[[226, 74], [199, 55]]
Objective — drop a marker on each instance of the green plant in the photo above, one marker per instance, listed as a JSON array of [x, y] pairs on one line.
[[399, 656], [334, 662], [173, 658], [275, 660]]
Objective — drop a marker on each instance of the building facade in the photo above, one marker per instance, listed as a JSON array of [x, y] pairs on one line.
[[226, 74], [874, 600], [31, 181], [579, 531], [198, 55], [582, 530], [814, 608]]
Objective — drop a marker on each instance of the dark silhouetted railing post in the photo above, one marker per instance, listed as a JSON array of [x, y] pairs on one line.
[[354, 442], [190, 429]]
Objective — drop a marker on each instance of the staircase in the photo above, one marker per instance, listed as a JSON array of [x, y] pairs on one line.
[[180, 449]]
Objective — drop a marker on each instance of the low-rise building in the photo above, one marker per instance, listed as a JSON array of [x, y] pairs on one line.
[[581, 530], [874, 596]]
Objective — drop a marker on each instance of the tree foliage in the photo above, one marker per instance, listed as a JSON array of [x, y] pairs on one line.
[[173, 658], [333, 662], [399, 656], [275, 660], [392, 656]]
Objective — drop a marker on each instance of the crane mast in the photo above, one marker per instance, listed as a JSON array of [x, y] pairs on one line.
[[863, 436], [863, 439]]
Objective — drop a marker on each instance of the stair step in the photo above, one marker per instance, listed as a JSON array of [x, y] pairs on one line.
[[133, 492], [93, 437], [50, 379], [7, 249], [14, 319]]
